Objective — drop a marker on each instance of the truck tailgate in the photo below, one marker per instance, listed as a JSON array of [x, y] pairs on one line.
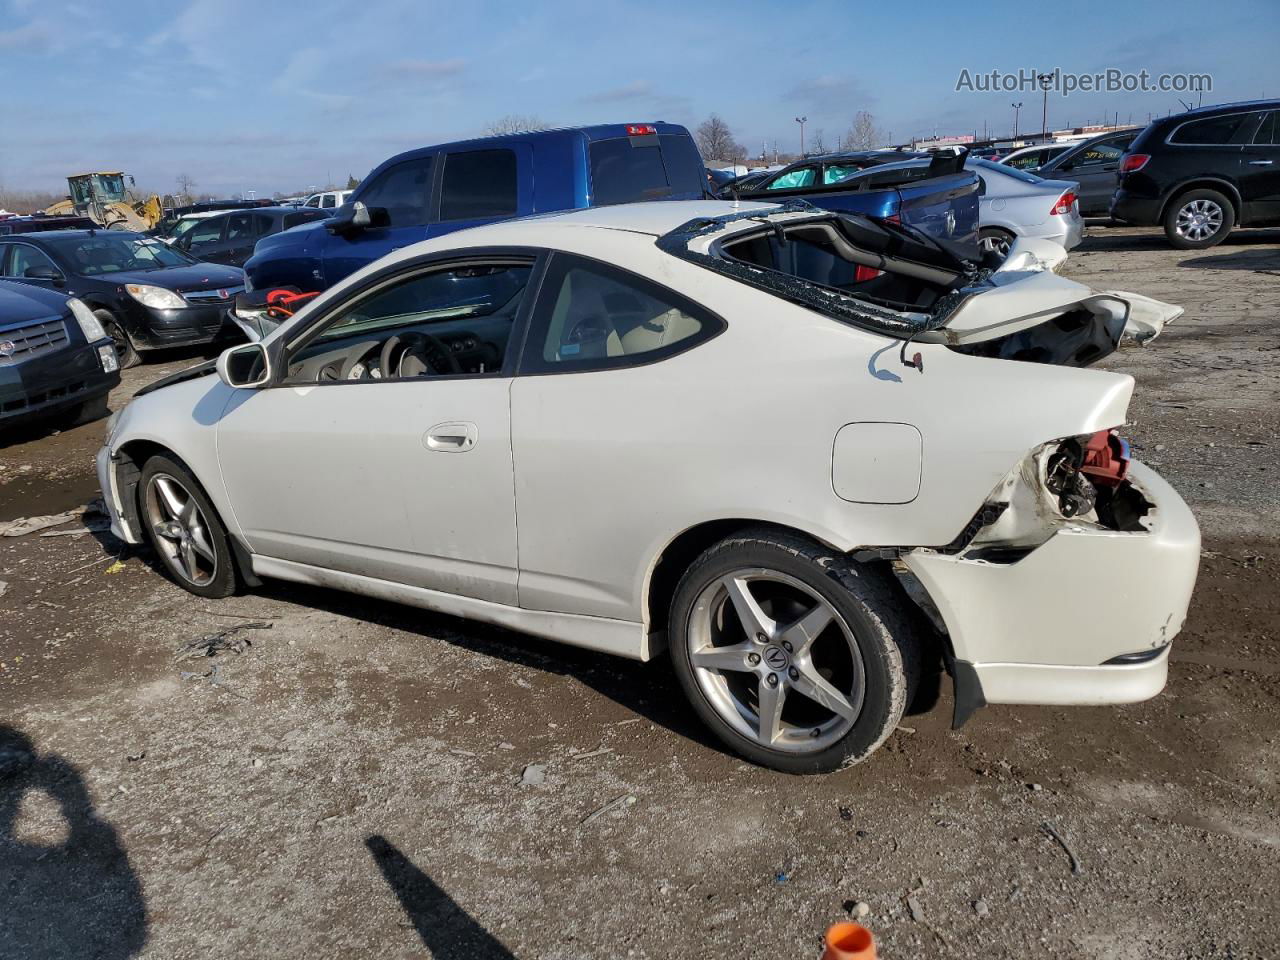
[[944, 207]]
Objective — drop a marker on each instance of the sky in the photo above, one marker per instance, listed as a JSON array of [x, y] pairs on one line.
[[268, 95]]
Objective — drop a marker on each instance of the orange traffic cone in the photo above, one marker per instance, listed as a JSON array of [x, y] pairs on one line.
[[849, 941]]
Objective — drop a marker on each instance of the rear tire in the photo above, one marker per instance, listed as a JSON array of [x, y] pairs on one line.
[[995, 242], [185, 530], [816, 672], [1199, 219], [126, 353]]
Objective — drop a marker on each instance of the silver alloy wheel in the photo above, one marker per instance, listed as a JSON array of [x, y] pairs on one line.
[[182, 533], [1198, 220], [998, 243], [776, 661]]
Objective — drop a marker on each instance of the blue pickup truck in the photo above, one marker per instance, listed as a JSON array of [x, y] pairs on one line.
[[932, 192], [436, 190]]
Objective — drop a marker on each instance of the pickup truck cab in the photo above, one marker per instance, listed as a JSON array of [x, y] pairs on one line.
[[932, 192], [436, 190]]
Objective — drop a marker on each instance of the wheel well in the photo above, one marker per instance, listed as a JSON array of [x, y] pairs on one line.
[[131, 457], [1220, 186], [680, 553]]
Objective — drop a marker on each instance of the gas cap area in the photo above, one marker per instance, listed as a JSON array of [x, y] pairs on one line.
[[876, 462]]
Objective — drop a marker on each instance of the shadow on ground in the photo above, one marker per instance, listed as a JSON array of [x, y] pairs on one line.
[[65, 899], [1258, 261], [1104, 239], [446, 930]]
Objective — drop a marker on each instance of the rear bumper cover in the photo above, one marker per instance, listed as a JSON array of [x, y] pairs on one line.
[[1139, 211], [1017, 625]]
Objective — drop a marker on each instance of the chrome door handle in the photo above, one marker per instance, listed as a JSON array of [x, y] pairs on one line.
[[1261, 163], [452, 437]]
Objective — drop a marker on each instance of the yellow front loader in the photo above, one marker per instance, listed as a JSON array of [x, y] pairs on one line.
[[104, 199]]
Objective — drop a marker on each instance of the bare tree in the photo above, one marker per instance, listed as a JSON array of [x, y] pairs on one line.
[[185, 186], [863, 133], [715, 141], [514, 123], [818, 142]]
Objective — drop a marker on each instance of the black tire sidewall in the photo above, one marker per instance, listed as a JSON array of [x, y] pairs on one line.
[[222, 585], [1171, 219], [129, 357], [860, 597]]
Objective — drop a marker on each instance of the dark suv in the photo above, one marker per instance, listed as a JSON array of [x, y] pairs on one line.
[[1198, 174], [229, 238]]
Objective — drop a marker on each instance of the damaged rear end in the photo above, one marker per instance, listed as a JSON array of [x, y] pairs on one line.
[[1069, 584]]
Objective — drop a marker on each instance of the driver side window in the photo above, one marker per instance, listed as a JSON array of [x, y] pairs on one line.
[[441, 322]]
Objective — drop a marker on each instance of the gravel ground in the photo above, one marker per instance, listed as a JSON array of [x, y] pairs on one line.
[[362, 779]]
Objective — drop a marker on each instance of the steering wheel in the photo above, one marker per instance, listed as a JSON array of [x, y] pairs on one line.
[[416, 356]]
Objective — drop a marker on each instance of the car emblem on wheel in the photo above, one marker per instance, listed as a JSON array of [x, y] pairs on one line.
[[7, 348], [775, 657]]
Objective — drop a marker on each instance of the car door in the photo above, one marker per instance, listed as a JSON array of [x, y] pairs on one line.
[[1260, 172], [243, 231], [29, 264], [1096, 169], [405, 191], [205, 241], [402, 475], [595, 396]]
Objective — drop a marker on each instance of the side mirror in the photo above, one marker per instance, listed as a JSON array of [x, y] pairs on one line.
[[244, 367], [45, 273], [353, 217]]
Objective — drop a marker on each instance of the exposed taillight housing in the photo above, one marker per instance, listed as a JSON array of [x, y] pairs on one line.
[[1133, 162], [1064, 204], [640, 129]]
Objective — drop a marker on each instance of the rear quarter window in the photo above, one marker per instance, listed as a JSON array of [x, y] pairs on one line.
[[630, 169], [1209, 131]]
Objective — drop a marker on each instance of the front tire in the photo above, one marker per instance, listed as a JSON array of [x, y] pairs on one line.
[[184, 529], [1199, 219], [126, 353], [796, 657]]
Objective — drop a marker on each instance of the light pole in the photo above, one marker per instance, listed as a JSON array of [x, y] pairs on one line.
[[1044, 80], [1016, 108], [802, 121]]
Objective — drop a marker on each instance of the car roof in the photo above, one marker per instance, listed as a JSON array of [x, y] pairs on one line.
[[599, 131], [1225, 108], [655, 217]]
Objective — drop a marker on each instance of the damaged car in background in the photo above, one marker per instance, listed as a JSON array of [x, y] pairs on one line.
[[818, 458]]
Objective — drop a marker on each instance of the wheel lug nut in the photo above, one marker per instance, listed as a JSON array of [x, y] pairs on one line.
[[815, 732], [753, 658], [793, 673], [773, 680], [761, 638], [786, 646]]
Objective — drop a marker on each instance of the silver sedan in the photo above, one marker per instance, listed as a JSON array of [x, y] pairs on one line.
[[1014, 204]]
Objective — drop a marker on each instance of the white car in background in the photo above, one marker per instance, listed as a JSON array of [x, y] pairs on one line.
[[328, 199], [1013, 203], [807, 453]]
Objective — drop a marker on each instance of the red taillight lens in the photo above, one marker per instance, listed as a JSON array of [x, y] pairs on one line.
[[1065, 203], [1133, 162], [861, 274], [894, 218], [640, 129]]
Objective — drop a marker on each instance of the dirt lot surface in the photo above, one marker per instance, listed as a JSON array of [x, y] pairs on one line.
[[371, 780]]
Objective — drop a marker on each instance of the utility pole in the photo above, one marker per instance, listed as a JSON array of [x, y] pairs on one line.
[[1017, 107], [802, 121], [1044, 79]]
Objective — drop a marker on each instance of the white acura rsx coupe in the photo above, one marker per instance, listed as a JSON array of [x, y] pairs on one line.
[[815, 457]]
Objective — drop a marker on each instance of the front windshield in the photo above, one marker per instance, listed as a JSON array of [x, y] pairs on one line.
[[112, 252], [110, 186]]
